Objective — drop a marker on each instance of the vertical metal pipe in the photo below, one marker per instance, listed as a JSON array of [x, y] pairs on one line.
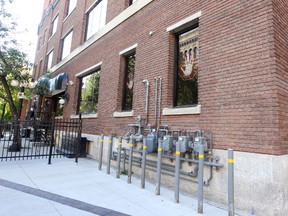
[[177, 173], [110, 144], [230, 182], [200, 179], [156, 96], [147, 99], [159, 160], [101, 152], [143, 165], [119, 157], [160, 100], [131, 145]]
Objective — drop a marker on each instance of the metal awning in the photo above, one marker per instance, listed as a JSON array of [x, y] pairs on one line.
[[58, 84]]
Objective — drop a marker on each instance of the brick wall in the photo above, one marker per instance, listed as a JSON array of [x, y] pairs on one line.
[[280, 17], [242, 73]]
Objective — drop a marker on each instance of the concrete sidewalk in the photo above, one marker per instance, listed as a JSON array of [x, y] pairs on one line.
[[31, 187]]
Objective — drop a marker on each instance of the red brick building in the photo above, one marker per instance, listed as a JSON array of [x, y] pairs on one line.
[[217, 65]]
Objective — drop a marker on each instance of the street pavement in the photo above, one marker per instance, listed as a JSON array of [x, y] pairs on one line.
[[65, 188]]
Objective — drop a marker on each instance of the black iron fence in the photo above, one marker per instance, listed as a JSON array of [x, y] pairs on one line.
[[42, 137]]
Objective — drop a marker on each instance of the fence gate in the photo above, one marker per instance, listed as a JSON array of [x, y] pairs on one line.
[[42, 137]]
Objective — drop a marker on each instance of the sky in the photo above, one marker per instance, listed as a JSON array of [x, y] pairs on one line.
[[28, 16]]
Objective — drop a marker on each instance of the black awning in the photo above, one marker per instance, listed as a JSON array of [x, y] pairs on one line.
[[58, 84]]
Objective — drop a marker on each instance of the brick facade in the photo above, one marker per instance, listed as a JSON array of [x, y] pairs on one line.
[[242, 76]]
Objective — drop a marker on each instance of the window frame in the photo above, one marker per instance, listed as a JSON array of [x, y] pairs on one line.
[[101, 22], [49, 58], [126, 56], [39, 42], [69, 9], [44, 37], [177, 34], [63, 40], [54, 25], [132, 2], [94, 71]]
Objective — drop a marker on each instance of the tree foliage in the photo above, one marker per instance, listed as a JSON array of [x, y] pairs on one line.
[[89, 94], [12, 60]]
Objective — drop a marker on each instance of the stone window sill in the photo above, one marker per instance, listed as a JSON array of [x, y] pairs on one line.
[[123, 114], [182, 111]]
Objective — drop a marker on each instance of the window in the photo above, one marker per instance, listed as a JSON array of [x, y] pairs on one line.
[[96, 18], [186, 76], [89, 92], [132, 1], [44, 37], [71, 6], [54, 25], [39, 43], [39, 69], [66, 45], [49, 60], [128, 82]]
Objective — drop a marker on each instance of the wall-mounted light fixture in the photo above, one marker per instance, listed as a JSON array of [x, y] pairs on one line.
[[64, 98]]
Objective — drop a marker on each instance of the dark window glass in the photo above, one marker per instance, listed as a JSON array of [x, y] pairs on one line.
[[128, 82], [186, 83], [132, 1], [89, 92]]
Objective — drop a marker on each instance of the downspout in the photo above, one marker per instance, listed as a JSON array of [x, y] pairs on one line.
[[147, 99], [156, 99], [160, 99]]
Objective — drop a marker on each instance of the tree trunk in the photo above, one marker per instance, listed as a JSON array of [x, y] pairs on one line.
[[9, 95]]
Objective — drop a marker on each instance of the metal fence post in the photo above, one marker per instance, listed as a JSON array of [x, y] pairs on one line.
[[143, 165], [200, 179], [101, 152], [177, 173], [119, 157], [131, 145], [79, 137], [110, 144], [52, 138], [159, 160], [230, 182]]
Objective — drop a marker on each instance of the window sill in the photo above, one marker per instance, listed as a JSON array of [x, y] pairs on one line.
[[85, 116], [123, 114], [182, 111]]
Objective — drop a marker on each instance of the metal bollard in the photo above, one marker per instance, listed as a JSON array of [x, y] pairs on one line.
[[131, 145], [119, 157], [101, 152], [177, 173], [230, 183], [110, 144], [159, 160], [143, 163], [200, 179]]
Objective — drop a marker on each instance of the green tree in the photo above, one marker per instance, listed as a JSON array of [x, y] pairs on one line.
[[89, 94], [12, 61]]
